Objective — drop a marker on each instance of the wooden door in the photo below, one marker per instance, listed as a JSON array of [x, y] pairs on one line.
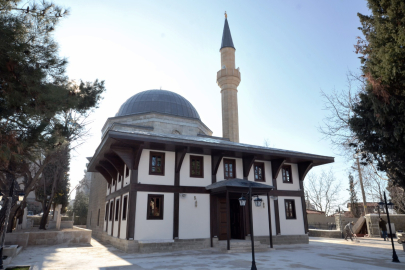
[[222, 219]]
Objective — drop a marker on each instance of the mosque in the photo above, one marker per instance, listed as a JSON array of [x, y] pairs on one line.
[[161, 181]]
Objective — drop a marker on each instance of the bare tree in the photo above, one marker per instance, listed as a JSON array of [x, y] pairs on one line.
[[323, 191]]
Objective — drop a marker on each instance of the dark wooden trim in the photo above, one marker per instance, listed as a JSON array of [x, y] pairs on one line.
[[289, 169], [119, 217], [247, 163], [277, 215], [228, 223], [125, 154], [117, 213], [211, 220], [303, 169], [294, 212], [106, 215], [163, 159], [116, 162], [233, 162], [216, 160], [118, 193], [261, 164], [112, 220], [170, 189], [292, 193], [269, 214], [180, 154], [162, 203], [131, 215], [176, 217], [201, 159], [304, 213], [137, 156], [124, 208], [109, 168], [104, 173], [276, 165]]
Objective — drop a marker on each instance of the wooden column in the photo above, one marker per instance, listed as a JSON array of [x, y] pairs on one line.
[[119, 217], [132, 205], [112, 218], [277, 215], [179, 157], [269, 213], [228, 222], [303, 169]]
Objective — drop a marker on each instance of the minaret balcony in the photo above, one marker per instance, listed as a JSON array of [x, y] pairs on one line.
[[228, 72]]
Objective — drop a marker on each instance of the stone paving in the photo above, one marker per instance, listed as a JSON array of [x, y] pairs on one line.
[[320, 253]]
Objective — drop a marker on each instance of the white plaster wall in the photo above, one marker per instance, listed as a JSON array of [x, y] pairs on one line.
[[267, 173], [112, 219], [143, 170], [112, 186], [194, 222], [126, 179], [119, 183], [105, 221], [238, 170], [261, 218], [295, 185], [123, 229], [116, 222], [153, 229], [291, 226], [186, 180]]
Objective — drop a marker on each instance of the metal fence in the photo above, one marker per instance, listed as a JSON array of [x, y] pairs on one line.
[[322, 226]]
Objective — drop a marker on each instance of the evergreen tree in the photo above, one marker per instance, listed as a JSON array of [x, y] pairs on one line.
[[379, 117], [81, 204], [354, 202]]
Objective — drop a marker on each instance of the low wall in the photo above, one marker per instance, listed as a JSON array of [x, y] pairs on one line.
[[325, 233], [282, 239], [31, 238]]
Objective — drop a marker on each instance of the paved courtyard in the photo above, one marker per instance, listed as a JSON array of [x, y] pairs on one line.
[[320, 253]]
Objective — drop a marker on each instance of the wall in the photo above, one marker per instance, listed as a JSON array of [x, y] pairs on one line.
[[261, 218], [143, 172], [194, 222], [267, 173], [153, 229], [295, 184], [319, 218], [186, 180], [238, 170], [291, 226], [98, 186], [123, 229]]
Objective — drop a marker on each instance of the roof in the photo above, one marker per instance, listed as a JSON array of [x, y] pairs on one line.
[[159, 101], [315, 212], [226, 36]]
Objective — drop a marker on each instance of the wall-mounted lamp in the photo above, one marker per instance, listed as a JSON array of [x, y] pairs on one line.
[[183, 195]]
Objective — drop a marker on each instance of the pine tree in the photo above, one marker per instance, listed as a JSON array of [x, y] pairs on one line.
[[379, 117], [354, 202]]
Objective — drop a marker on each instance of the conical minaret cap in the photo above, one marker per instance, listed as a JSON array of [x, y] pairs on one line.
[[226, 36]]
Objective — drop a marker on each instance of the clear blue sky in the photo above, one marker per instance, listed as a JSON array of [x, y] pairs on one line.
[[287, 52]]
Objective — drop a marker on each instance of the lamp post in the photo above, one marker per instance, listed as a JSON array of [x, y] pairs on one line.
[[340, 221], [389, 205], [9, 204], [258, 203]]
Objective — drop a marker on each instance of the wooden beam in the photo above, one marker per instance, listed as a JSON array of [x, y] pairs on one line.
[[228, 223], [180, 154], [116, 162], [137, 156], [276, 165], [304, 212], [109, 168], [176, 209], [303, 169], [119, 218], [104, 173], [216, 160], [118, 192], [247, 163], [277, 215], [125, 154], [269, 215], [132, 205]]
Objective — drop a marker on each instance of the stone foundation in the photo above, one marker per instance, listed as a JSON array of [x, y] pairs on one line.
[[282, 239], [325, 233]]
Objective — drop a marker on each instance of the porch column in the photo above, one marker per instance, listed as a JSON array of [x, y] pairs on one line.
[[228, 222], [269, 213]]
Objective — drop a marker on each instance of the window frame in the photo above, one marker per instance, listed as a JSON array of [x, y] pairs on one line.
[[124, 207], [148, 216], [117, 210], [287, 167], [107, 208], [261, 164], [126, 171], [293, 210], [228, 161], [162, 154], [98, 218], [111, 210], [201, 158]]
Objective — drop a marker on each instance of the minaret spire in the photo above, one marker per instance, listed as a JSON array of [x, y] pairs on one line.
[[228, 78]]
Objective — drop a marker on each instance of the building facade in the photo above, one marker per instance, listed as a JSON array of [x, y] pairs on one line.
[[163, 182]]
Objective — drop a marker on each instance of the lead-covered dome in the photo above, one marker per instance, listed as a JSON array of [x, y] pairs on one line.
[[158, 101]]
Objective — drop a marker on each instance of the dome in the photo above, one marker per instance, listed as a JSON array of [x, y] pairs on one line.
[[158, 101]]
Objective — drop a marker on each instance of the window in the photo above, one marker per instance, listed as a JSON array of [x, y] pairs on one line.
[[119, 178], [98, 217], [124, 208], [155, 206], [259, 171], [126, 172], [290, 209], [106, 212], [157, 163], [111, 209], [229, 168], [196, 166], [287, 176], [117, 209]]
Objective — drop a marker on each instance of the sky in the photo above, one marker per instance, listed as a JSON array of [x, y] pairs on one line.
[[287, 52]]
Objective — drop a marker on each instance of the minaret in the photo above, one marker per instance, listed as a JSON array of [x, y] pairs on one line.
[[228, 78]]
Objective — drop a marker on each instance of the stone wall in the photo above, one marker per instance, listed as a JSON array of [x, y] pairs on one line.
[[325, 233], [374, 229], [98, 189]]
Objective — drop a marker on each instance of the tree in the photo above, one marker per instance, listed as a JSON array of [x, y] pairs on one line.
[[323, 191], [379, 116], [81, 204], [354, 205]]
